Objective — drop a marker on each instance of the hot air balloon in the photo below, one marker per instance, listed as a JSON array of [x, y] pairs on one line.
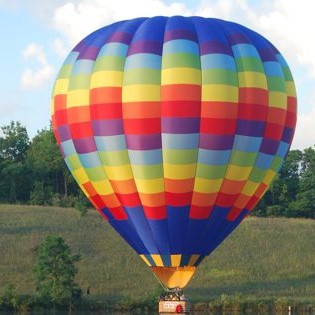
[[174, 128]]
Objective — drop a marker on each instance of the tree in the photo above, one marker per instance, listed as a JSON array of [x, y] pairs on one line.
[[55, 272], [14, 143], [50, 176], [304, 205]]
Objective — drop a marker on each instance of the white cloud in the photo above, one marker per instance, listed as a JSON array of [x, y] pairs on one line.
[[60, 47], [75, 20], [305, 132], [35, 77]]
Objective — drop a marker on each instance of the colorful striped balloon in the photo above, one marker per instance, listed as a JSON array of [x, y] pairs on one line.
[[174, 128]]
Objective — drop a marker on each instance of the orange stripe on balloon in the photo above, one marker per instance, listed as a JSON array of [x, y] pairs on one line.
[[110, 200], [78, 114], [276, 115], [179, 185], [88, 186], [226, 110], [105, 95], [132, 110], [203, 200], [123, 186], [152, 200], [242, 201], [60, 102], [176, 92], [232, 185]]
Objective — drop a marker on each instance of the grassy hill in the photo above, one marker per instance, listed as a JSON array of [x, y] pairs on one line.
[[264, 257]]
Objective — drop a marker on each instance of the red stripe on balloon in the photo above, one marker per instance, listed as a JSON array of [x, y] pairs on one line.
[[252, 111], [155, 213], [142, 126], [218, 126], [81, 130], [226, 200], [106, 111], [273, 131], [233, 214], [60, 117], [253, 96], [129, 200], [199, 213], [181, 108], [178, 200]]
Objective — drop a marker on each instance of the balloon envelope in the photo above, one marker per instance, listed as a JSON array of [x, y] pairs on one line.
[[174, 129]]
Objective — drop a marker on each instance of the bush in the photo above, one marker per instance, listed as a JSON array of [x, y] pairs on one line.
[[275, 211]]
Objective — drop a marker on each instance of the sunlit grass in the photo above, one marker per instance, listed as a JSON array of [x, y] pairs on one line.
[[263, 258]]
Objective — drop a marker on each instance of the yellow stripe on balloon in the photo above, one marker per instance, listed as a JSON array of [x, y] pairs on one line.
[[290, 88], [141, 93], [252, 79], [238, 173], [207, 186], [106, 79], [103, 187], [175, 260], [158, 260], [78, 98], [250, 188], [270, 175], [80, 175], [150, 186], [277, 99], [219, 92], [173, 171], [61, 86], [181, 76], [122, 172]]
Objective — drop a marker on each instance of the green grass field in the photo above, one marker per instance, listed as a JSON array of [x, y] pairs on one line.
[[264, 257]]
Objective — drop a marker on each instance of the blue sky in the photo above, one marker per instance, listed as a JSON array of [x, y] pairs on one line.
[[37, 35]]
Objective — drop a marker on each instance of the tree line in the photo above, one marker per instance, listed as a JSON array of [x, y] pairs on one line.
[[32, 171]]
